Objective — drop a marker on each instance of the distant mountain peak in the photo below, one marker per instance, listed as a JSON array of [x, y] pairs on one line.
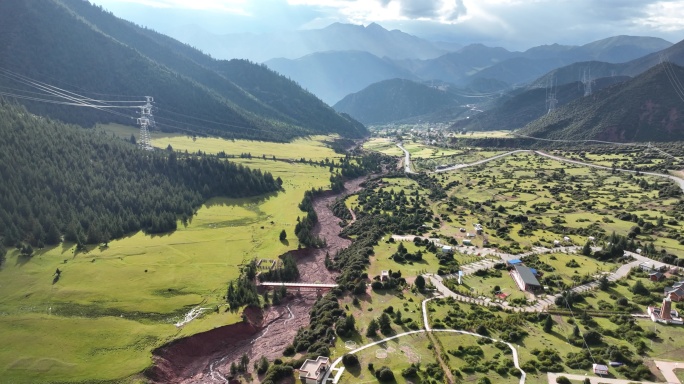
[[375, 26]]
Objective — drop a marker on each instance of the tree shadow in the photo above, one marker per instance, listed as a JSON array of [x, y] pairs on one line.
[[238, 201], [355, 370], [285, 242]]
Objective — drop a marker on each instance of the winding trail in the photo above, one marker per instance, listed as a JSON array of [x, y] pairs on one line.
[[337, 361]]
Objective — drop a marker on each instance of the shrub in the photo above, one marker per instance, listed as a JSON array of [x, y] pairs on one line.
[[562, 380], [384, 374], [350, 360], [410, 372]]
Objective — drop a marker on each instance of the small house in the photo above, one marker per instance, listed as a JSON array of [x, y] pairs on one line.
[[384, 275], [447, 249], [467, 242], [656, 276], [566, 239], [676, 295], [675, 292], [513, 262], [312, 371], [556, 243], [646, 266], [478, 229], [638, 250], [591, 238], [599, 369]]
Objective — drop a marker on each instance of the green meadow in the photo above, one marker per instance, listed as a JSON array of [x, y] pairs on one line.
[[312, 147], [551, 192], [116, 303]]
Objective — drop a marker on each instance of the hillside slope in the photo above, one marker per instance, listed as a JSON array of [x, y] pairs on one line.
[[518, 108], [58, 181], [81, 47], [394, 100], [645, 108]]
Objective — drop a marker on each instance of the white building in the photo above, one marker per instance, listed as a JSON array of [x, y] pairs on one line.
[[312, 371]]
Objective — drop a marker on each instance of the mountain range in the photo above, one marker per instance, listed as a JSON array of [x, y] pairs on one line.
[[461, 67], [509, 110], [77, 46], [372, 38]]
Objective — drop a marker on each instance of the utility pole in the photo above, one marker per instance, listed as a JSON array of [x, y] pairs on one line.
[[587, 80], [551, 100], [146, 121]]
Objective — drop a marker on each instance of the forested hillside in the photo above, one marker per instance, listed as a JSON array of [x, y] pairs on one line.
[[60, 180], [645, 108], [80, 47], [395, 100]]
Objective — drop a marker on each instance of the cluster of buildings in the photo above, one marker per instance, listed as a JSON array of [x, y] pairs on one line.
[[665, 314]]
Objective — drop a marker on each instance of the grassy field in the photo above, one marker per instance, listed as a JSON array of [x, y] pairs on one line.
[[400, 354], [384, 146], [117, 303], [313, 147], [535, 187]]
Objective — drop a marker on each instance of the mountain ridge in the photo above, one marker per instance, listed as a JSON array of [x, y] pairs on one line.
[[117, 57], [644, 108]]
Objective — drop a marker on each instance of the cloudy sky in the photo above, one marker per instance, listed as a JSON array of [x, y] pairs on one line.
[[513, 24]]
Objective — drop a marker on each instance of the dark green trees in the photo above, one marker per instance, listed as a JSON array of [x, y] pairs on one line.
[[59, 180]]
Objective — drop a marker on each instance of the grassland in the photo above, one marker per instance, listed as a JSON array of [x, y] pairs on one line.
[[312, 148], [384, 146], [629, 158], [400, 354], [117, 303], [536, 187]]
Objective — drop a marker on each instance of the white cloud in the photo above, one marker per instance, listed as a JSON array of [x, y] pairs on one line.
[[367, 11], [664, 16], [228, 6]]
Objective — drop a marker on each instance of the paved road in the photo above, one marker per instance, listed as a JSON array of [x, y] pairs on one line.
[[667, 369], [594, 379], [407, 164], [407, 159], [460, 166]]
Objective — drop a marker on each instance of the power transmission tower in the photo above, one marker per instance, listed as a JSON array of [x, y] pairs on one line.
[[587, 80], [551, 100], [146, 121]]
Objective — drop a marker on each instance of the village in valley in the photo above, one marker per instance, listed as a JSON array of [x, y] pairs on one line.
[[280, 192], [558, 264]]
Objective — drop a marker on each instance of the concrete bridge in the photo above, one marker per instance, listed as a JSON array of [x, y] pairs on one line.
[[298, 287]]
